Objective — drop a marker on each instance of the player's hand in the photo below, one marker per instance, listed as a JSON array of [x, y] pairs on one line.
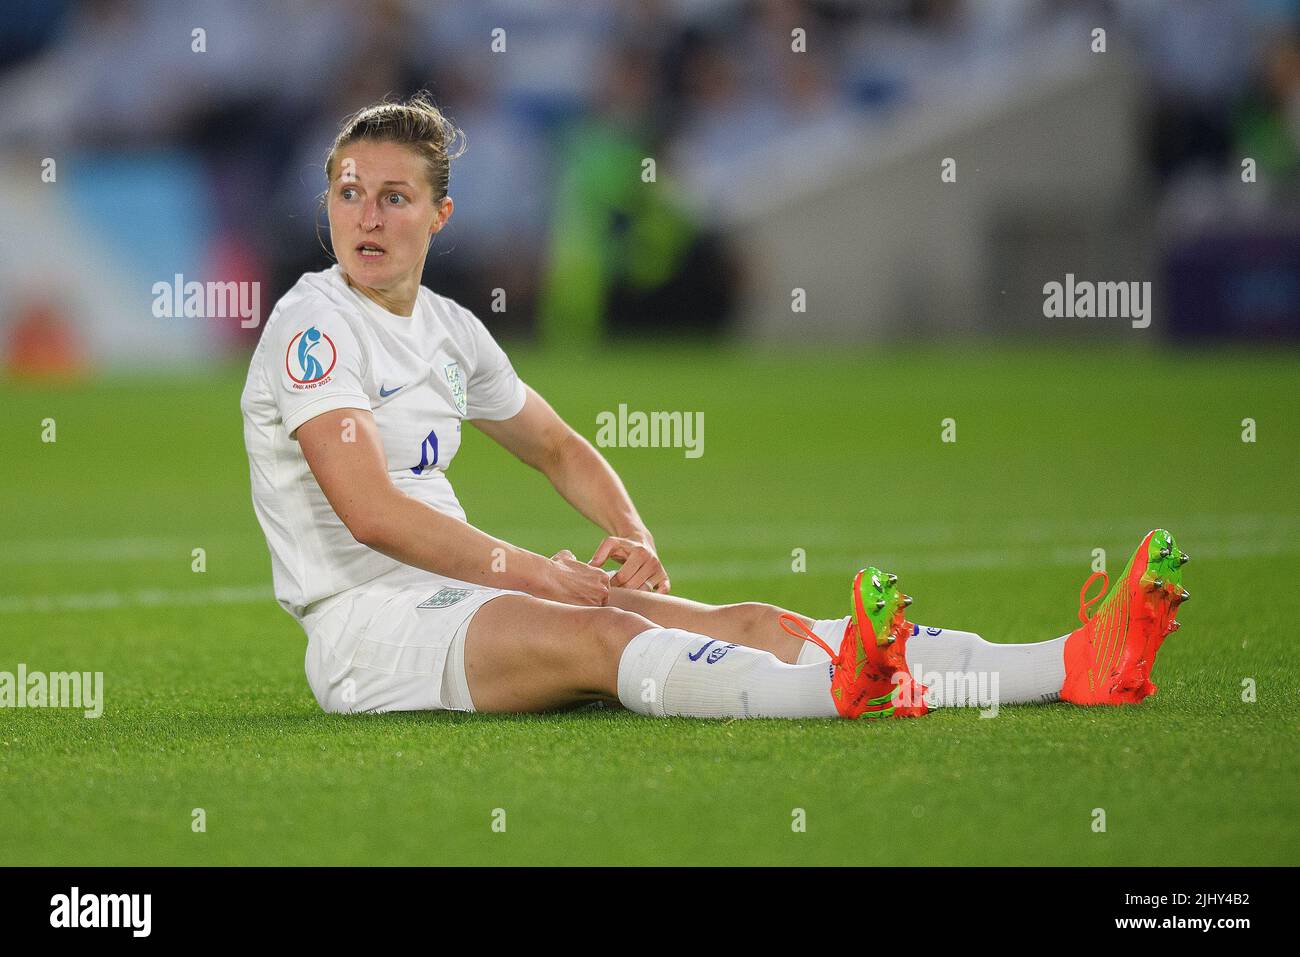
[[641, 566], [576, 583]]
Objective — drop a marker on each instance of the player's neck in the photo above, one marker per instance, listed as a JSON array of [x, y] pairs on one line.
[[395, 301]]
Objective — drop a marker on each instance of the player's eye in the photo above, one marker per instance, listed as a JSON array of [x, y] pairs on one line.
[[347, 192], [397, 196]]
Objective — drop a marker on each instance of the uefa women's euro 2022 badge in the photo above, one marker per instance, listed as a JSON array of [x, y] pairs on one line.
[[456, 382], [310, 358]]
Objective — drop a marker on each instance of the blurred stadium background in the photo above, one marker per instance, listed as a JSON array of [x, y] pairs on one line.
[[775, 171]]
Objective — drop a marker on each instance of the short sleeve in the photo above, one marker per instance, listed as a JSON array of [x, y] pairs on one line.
[[314, 365], [494, 390]]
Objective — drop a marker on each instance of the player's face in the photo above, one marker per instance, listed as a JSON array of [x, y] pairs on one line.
[[382, 215]]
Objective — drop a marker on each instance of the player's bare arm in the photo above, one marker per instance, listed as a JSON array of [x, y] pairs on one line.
[[537, 436], [353, 477]]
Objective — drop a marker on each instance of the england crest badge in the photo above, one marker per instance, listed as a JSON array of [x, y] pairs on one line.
[[446, 597], [456, 382]]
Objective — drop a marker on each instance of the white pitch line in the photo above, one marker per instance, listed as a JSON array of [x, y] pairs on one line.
[[98, 551], [722, 537], [141, 598], [685, 571], [903, 561]]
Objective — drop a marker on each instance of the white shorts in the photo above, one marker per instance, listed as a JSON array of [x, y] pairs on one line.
[[394, 644]]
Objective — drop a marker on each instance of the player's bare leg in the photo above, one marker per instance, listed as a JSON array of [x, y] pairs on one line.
[[754, 624], [525, 654], [528, 654]]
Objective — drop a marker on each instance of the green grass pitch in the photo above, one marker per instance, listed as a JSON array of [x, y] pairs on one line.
[[1058, 452]]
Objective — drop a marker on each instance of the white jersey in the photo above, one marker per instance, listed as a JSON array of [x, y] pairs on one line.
[[326, 347]]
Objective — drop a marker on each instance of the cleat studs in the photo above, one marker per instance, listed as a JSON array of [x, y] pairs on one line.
[[1173, 626], [875, 582], [1159, 583], [1185, 595], [1184, 558], [907, 600], [1164, 552], [892, 579], [880, 603]]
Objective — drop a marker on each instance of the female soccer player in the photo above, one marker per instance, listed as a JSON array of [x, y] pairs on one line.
[[353, 409]]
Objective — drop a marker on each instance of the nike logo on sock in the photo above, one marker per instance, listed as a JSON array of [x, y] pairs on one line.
[[696, 656]]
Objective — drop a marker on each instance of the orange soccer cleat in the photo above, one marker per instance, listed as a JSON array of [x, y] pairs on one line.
[[1108, 660], [870, 677]]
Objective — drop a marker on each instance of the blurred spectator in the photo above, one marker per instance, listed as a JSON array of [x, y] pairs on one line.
[[1268, 125], [623, 251]]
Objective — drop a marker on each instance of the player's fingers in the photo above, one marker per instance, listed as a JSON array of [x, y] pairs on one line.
[[636, 560], [650, 573], [614, 548], [639, 582], [606, 549], [585, 585], [658, 584], [602, 587]]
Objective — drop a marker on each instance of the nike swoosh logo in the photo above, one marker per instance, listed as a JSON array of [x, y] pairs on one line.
[[696, 656], [385, 395]]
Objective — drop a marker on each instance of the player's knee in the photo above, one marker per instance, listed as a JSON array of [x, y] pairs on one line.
[[755, 617], [605, 632]]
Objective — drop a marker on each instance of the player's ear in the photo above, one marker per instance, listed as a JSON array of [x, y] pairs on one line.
[[445, 207]]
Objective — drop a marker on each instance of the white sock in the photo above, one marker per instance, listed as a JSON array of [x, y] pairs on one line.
[[829, 630], [668, 671], [962, 669], [1025, 674]]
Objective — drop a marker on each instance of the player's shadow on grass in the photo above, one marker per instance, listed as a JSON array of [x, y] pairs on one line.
[[582, 712]]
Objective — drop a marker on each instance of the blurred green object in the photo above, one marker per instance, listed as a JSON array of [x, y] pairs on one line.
[[1264, 134], [610, 228]]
